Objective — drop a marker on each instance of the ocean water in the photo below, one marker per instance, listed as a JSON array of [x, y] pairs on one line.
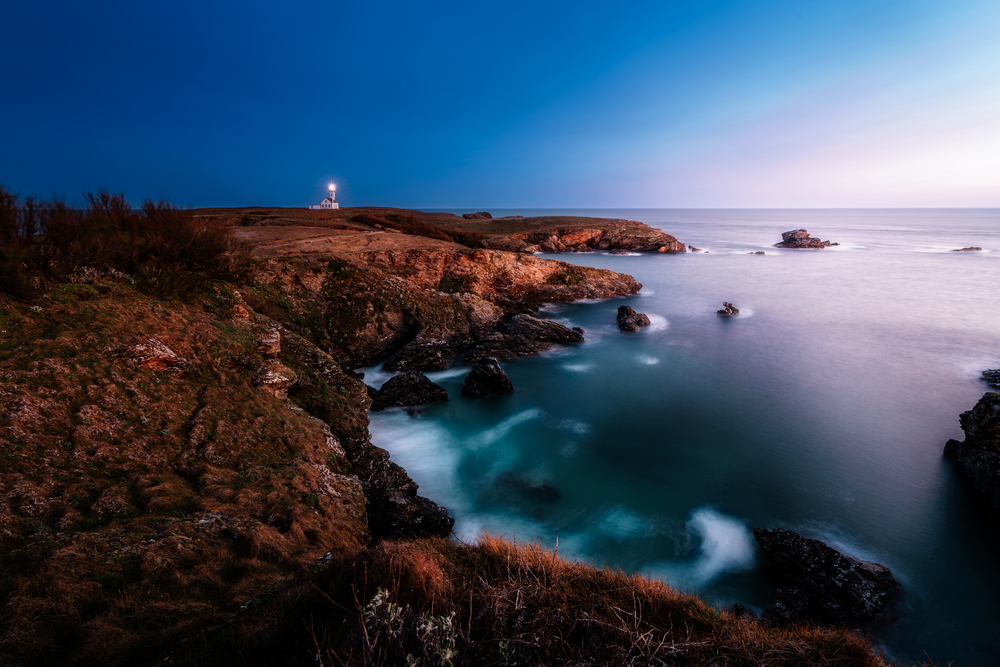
[[823, 407]]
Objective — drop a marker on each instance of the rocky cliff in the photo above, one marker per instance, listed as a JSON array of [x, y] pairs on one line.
[[978, 457]]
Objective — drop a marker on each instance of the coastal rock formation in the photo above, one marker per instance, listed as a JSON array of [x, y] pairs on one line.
[[728, 310], [618, 235], [487, 379], [424, 355], [482, 215], [409, 389], [275, 378], [821, 581], [992, 377], [526, 336], [799, 238], [629, 320], [969, 249], [978, 457], [269, 342]]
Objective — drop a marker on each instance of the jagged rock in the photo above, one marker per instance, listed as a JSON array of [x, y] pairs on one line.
[[275, 379], [629, 320], [728, 310], [423, 355], [408, 389], [626, 235], [840, 588], [790, 604], [799, 238], [969, 249], [978, 457], [757, 252], [154, 355], [482, 215], [693, 249], [526, 336], [992, 377], [619, 251], [486, 379], [269, 343]]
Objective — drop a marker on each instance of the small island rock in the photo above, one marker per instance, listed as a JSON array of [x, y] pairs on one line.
[[728, 310], [629, 320], [969, 249], [820, 581], [799, 238], [408, 389], [487, 379]]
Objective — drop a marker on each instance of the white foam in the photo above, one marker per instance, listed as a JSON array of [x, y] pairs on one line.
[[375, 376], [578, 368], [648, 361], [622, 523], [727, 544], [437, 376], [489, 436], [656, 323], [578, 427]]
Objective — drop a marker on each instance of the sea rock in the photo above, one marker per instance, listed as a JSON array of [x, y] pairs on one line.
[[758, 252], [619, 251], [799, 238], [992, 377], [275, 378], [423, 355], [525, 336], [837, 588], [629, 320], [978, 457], [969, 249], [693, 249], [728, 310], [790, 604], [482, 215], [487, 379], [410, 388]]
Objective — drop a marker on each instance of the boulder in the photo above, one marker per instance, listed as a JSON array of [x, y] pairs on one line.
[[992, 377], [978, 457], [546, 331], [799, 238], [525, 336], [817, 580], [728, 310], [269, 343], [629, 320], [487, 379], [408, 389], [423, 355], [275, 378], [152, 354], [482, 215]]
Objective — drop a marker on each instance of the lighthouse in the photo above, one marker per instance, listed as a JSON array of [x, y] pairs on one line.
[[330, 201]]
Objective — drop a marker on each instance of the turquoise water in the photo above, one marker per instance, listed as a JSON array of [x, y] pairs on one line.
[[823, 407]]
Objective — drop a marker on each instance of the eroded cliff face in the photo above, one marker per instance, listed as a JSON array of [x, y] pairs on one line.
[[978, 457], [613, 235]]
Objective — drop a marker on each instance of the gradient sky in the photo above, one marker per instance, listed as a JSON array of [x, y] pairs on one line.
[[762, 103]]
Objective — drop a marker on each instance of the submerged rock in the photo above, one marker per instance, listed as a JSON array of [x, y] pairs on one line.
[[408, 389], [487, 379], [799, 238], [629, 320], [978, 457], [821, 581], [728, 310]]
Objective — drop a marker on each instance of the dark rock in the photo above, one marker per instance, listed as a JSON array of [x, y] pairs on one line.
[[526, 336], [978, 457], [423, 355], [992, 377], [546, 331], [408, 389], [414, 412], [728, 310], [799, 238], [758, 252], [394, 508], [372, 391], [693, 249], [969, 249], [739, 611], [790, 604], [629, 320], [482, 215], [838, 588], [487, 379], [619, 251]]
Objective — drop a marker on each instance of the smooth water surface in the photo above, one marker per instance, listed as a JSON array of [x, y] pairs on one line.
[[823, 408]]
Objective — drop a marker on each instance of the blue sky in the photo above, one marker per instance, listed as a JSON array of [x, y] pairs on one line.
[[762, 103]]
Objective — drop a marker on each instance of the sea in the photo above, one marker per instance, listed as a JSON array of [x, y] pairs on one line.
[[823, 408]]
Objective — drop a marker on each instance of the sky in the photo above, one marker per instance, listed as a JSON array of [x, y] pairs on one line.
[[630, 104]]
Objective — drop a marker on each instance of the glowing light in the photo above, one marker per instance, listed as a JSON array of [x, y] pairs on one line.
[[332, 187]]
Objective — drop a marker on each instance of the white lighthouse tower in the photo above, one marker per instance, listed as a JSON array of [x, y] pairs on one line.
[[330, 201]]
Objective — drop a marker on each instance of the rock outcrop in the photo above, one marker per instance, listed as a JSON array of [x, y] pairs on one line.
[[817, 580], [152, 354], [526, 336], [619, 235], [409, 389], [481, 215], [978, 457], [728, 310], [799, 238], [629, 320], [969, 249], [992, 377], [424, 355], [486, 379], [275, 378]]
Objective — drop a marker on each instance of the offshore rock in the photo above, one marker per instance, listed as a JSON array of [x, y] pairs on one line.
[[409, 389], [728, 310], [799, 238], [978, 458], [992, 377], [487, 379], [526, 336], [969, 249], [837, 588], [629, 320]]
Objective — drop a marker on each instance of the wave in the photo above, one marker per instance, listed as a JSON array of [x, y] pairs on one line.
[[578, 368], [648, 361], [491, 435], [725, 544], [657, 323]]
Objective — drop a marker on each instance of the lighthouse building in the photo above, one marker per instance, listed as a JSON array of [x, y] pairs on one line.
[[329, 202]]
